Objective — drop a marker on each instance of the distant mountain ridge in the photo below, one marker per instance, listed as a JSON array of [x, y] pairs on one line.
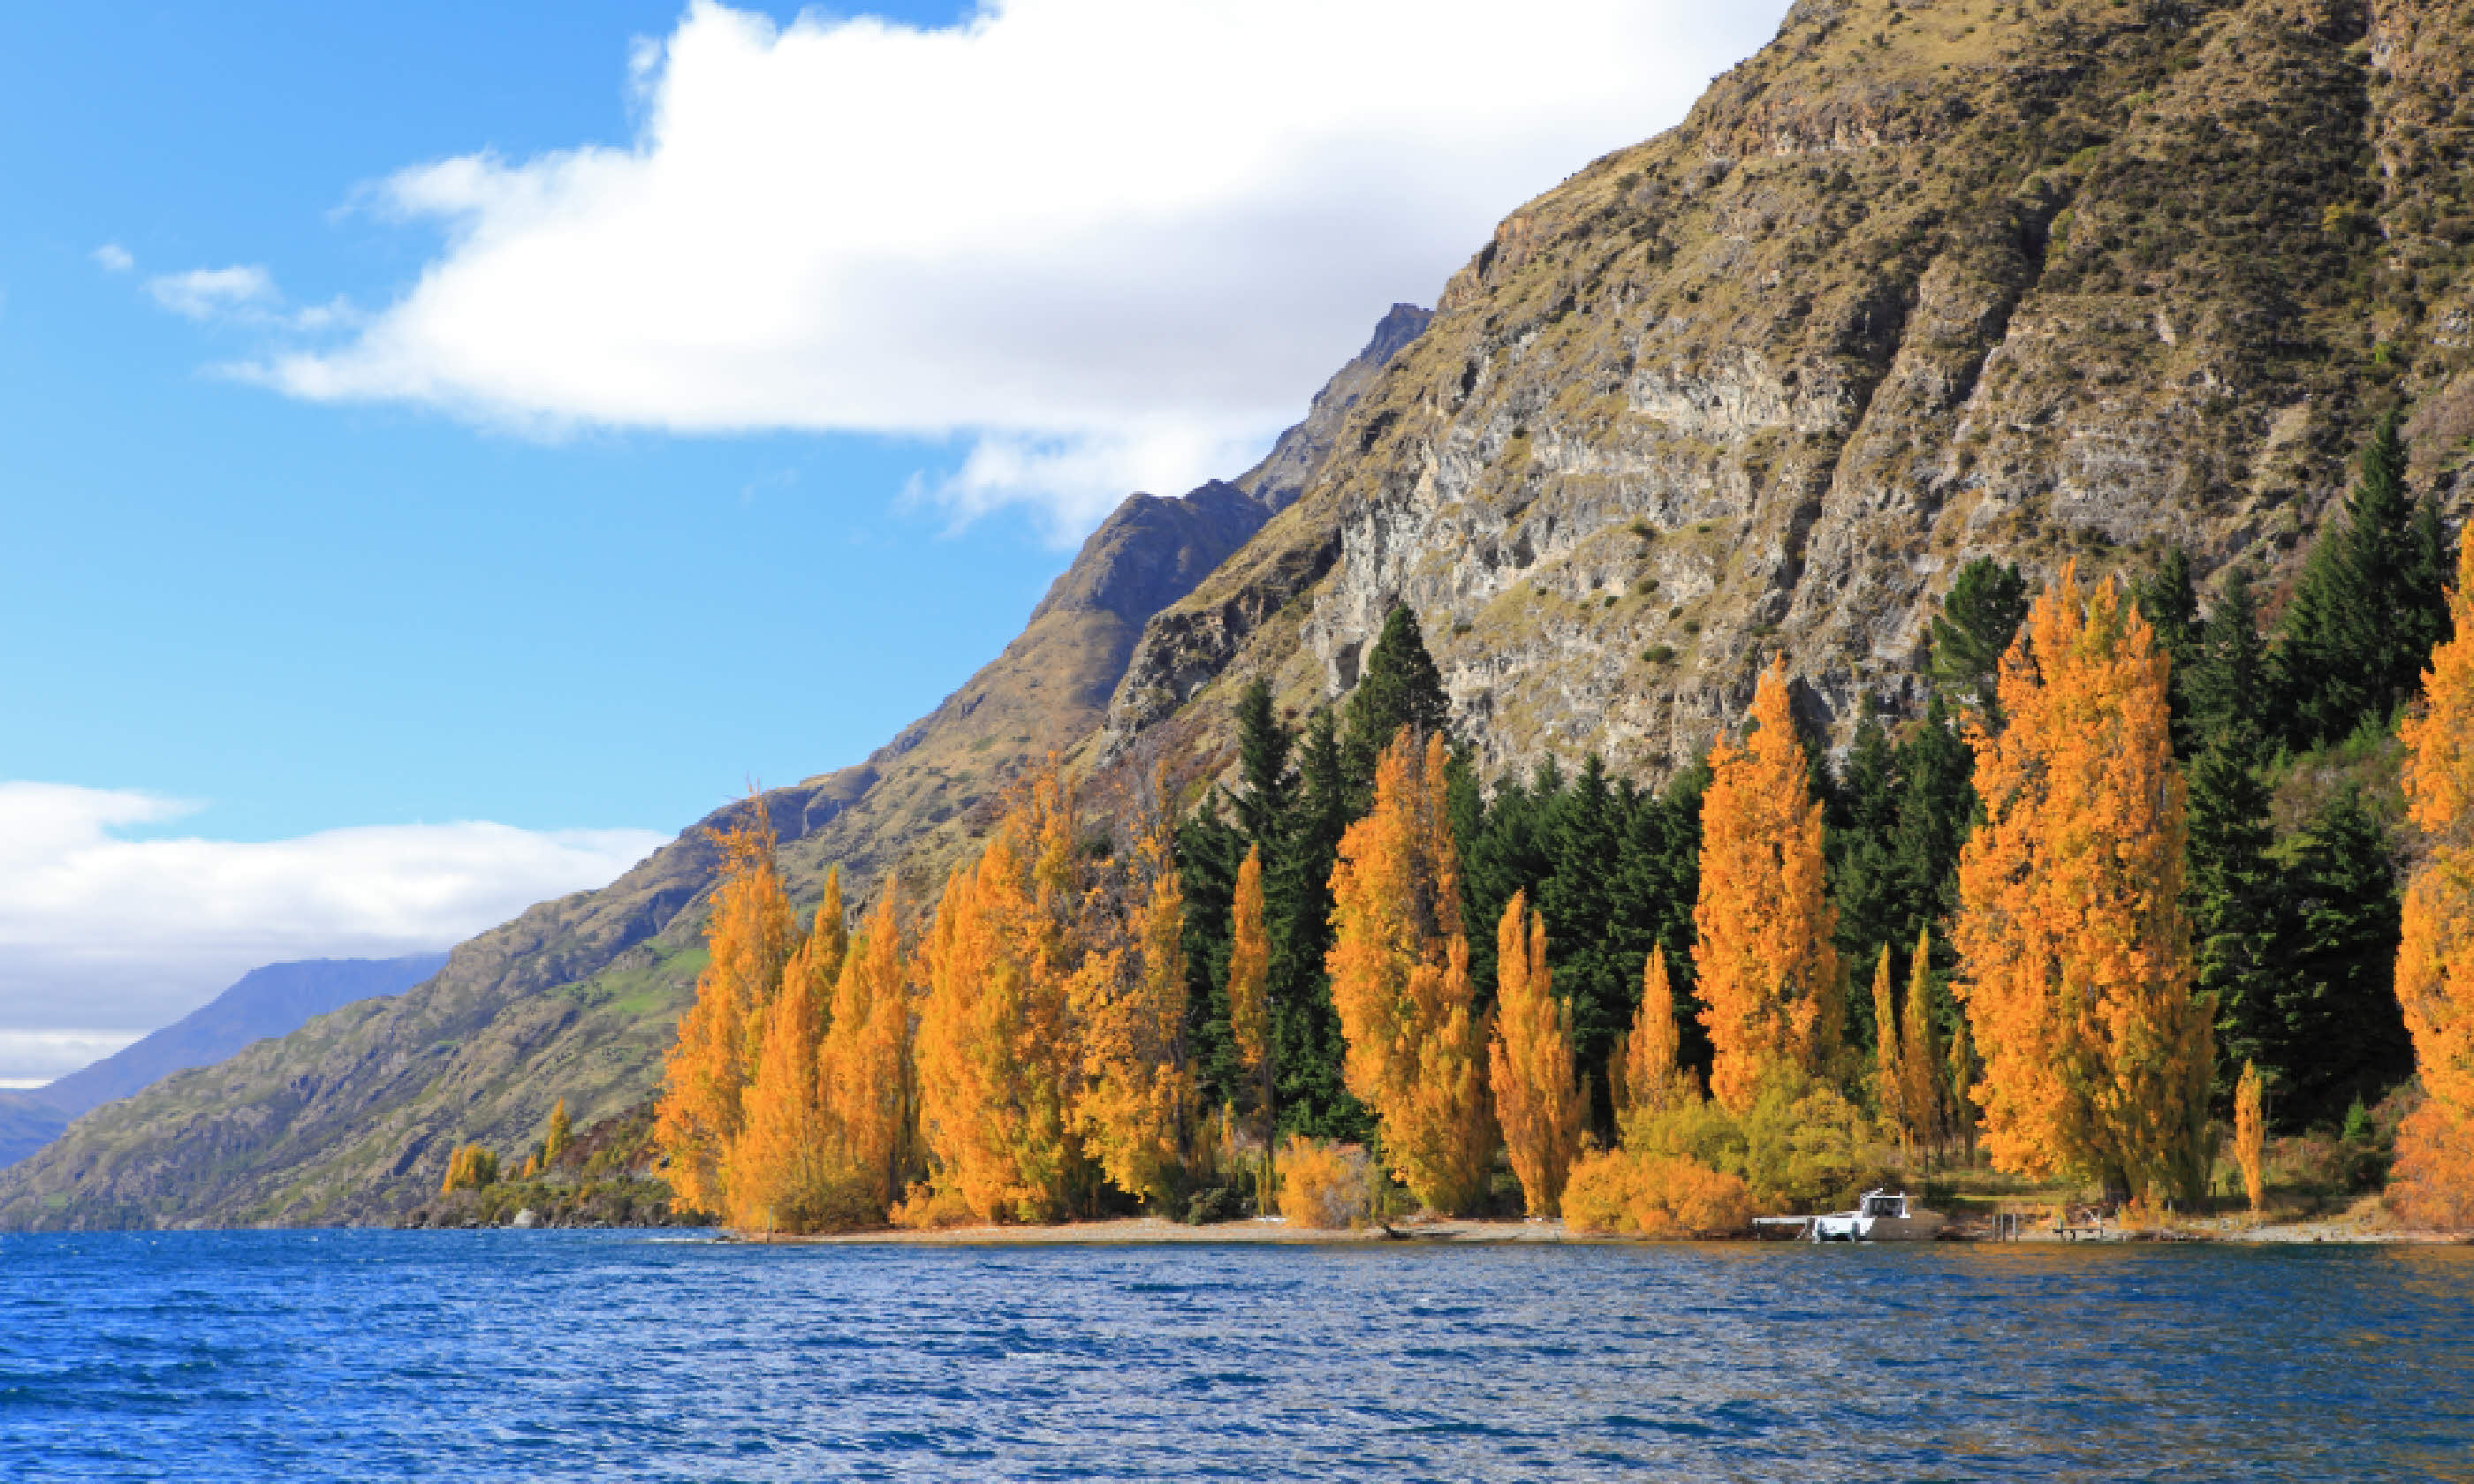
[[270, 1001]]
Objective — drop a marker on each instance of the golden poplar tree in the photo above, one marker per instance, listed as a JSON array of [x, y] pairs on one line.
[[780, 1177], [995, 1055], [1768, 970], [1399, 981], [1920, 1069], [1250, 973], [1136, 1098], [748, 938], [865, 1085], [2250, 1134], [2078, 979], [818, 958], [561, 1136], [2434, 970], [1538, 1100], [1889, 1071], [1649, 1076]]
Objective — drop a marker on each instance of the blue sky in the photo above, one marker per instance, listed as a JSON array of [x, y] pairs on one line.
[[445, 449]]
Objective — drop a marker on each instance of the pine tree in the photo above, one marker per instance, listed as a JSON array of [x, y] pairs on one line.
[[2228, 684], [1399, 688], [2233, 893], [2435, 966], [1580, 900], [2077, 980], [1270, 786], [747, 940], [1209, 851], [1984, 609], [1297, 906], [561, 1136], [1865, 880], [2251, 1132], [2169, 602], [1399, 979], [866, 1087], [1537, 1099], [2335, 1033], [1767, 971], [2370, 604]]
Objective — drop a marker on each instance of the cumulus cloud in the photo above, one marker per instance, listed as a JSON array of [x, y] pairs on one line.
[[113, 258], [1109, 242], [103, 934]]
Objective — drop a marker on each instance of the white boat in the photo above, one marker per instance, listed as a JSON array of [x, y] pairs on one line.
[[1880, 1216]]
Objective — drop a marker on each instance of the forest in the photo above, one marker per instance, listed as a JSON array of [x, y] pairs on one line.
[[2141, 882]]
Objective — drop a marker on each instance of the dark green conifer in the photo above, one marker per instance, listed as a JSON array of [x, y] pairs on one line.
[[2338, 1033], [1982, 613], [1399, 687], [2171, 604]]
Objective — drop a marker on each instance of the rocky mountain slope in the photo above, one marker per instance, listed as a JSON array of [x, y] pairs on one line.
[[2049, 281], [351, 1118]]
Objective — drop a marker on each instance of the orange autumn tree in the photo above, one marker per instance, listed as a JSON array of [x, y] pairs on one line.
[[748, 938], [997, 1063], [1890, 1073], [1920, 1070], [2434, 1180], [1136, 1100], [818, 958], [1768, 974], [1538, 1100], [2250, 1134], [1648, 1075], [865, 1088], [782, 1175], [1400, 984], [1246, 988], [2078, 979]]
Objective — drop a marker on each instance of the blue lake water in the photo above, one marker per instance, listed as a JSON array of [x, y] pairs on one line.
[[540, 1355]]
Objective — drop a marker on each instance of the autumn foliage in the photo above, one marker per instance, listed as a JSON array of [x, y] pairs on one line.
[[2097, 1055], [2435, 971], [1648, 1076], [1768, 974], [1537, 1099], [2251, 1135], [1400, 982], [469, 1167], [1654, 1195]]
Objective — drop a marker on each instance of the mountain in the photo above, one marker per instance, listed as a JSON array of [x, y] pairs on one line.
[[274, 1000], [2068, 281], [350, 1117]]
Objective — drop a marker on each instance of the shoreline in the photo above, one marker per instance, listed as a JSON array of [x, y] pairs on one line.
[[1154, 1231]]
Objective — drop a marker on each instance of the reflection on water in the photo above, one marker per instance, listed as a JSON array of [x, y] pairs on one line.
[[574, 1355]]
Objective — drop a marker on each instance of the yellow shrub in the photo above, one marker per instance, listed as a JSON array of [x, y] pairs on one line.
[[1654, 1195], [928, 1207], [1323, 1183]]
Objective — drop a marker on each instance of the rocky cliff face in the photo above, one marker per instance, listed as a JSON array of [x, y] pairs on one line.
[[351, 1117], [2049, 281]]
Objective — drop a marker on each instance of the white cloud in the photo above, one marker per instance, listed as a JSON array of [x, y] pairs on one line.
[[210, 293], [113, 258], [100, 933], [1115, 241]]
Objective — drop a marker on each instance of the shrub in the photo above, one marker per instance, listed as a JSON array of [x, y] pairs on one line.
[[1805, 1145], [927, 1209], [1654, 1195], [1323, 1184]]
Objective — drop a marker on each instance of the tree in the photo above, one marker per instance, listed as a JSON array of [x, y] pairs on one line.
[[1889, 1077], [1399, 979], [1538, 1099], [2369, 606], [2234, 893], [1250, 1012], [1650, 1078], [1134, 1104], [1920, 1070], [470, 1167], [778, 1176], [561, 1136], [747, 940], [1984, 609], [818, 958], [1264, 745], [2250, 1131], [2078, 979], [1399, 688], [866, 1083], [2435, 966], [1298, 905], [2228, 679], [1767, 971], [2334, 1032], [2169, 602]]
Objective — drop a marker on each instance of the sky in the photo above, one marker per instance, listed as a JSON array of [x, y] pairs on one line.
[[445, 450]]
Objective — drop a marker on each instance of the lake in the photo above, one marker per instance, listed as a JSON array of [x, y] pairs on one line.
[[573, 1354]]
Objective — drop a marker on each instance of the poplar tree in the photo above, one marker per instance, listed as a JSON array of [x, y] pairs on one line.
[[1134, 1103], [1650, 1078], [1399, 980], [561, 1136], [777, 1177], [2250, 1134], [2435, 967], [1889, 1076], [1920, 1098], [2076, 977], [1767, 971], [1250, 970], [1538, 1097], [865, 1082], [747, 940]]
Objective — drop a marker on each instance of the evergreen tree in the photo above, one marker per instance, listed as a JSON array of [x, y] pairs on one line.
[[1508, 851], [2336, 1032], [2233, 892], [1863, 846], [1658, 879], [1209, 851], [1398, 687], [1936, 809], [1263, 747], [2171, 604], [1978, 617], [2228, 676], [1580, 901], [2369, 606], [1314, 1098]]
